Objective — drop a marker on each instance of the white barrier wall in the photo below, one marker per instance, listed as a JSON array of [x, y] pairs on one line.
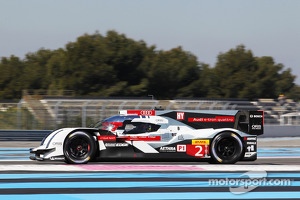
[[281, 131]]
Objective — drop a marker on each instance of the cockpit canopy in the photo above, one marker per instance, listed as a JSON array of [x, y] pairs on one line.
[[130, 127], [112, 123]]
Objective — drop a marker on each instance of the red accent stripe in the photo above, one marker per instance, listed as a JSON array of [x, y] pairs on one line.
[[107, 137], [263, 119], [211, 119], [135, 138], [141, 138]]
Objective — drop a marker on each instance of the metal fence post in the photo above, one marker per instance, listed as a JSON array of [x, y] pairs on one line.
[[83, 115], [19, 114]]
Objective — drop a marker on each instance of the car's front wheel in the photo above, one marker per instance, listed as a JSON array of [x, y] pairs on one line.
[[226, 148], [79, 148]]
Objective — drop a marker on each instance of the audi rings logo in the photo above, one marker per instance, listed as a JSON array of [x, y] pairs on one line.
[[147, 112]]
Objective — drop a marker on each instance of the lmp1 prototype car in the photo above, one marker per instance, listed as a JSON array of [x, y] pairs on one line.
[[216, 136]]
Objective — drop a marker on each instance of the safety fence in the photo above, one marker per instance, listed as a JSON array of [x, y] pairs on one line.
[[23, 135], [37, 112]]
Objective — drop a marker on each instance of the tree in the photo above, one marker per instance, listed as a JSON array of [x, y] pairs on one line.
[[55, 73], [235, 73], [85, 68], [35, 70], [171, 72], [115, 65], [127, 56], [272, 79], [206, 85], [241, 75], [11, 72]]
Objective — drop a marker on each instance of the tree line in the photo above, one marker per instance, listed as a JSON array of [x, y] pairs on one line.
[[113, 65]]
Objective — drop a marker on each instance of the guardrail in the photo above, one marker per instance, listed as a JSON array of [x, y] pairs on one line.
[[23, 135], [38, 135], [281, 131]]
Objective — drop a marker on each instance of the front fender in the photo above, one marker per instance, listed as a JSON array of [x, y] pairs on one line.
[[53, 144]]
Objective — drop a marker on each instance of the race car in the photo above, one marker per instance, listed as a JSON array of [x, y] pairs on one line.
[[216, 136]]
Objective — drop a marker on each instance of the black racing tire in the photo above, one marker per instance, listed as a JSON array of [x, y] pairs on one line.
[[79, 148], [226, 148]]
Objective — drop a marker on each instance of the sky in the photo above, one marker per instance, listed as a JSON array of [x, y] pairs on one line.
[[206, 28]]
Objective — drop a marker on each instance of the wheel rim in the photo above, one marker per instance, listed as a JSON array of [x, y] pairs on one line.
[[79, 148], [226, 148]]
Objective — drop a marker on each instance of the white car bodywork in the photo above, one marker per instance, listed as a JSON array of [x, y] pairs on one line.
[[170, 135]]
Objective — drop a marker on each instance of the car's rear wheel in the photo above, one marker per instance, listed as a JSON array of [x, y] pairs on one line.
[[79, 148], [226, 148]]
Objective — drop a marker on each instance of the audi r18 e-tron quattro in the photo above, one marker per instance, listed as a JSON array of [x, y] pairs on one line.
[[216, 136]]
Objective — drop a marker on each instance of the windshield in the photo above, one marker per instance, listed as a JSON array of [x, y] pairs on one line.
[[140, 127], [112, 123]]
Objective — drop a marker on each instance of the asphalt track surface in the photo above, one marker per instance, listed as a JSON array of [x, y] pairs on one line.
[[148, 181], [275, 175], [271, 151]]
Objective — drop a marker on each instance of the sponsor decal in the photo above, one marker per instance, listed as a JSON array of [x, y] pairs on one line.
[[159, 120], [250, 144], [200, 142], [212, 119], [141, 138], [200, 151], [251, 148], [180, 115], [250, 138], [122, 145], [256, 122], [256, 127], [116, 144], [57, 158], [181, 148], [249, 154], [107, 137], [110, 144], [57, 143], [167, 149], [256, 116]]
